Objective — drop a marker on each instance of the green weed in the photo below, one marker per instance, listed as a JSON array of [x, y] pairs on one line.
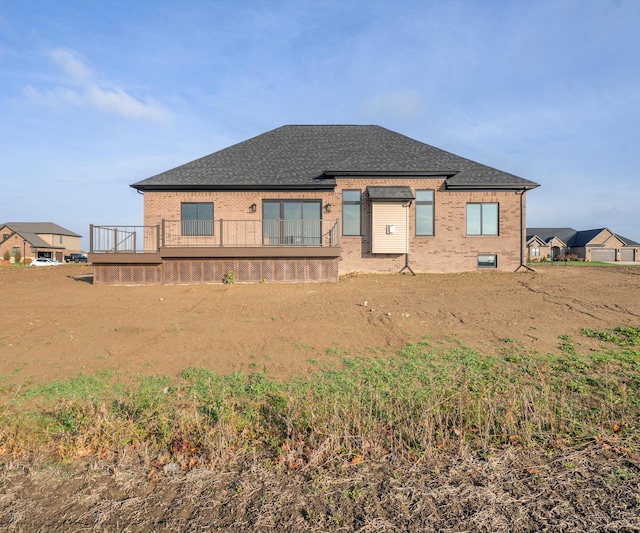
[[415, 402]]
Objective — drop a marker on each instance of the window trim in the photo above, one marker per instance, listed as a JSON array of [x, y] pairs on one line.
[[432, 203], [352, 202], [482, 230]]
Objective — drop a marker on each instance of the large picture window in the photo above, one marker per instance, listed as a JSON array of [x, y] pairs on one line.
[[197, 218], [351, 212], [424, 212], [482, 219]]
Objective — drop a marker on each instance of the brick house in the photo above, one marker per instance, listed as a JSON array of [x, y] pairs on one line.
[[31, 240], [310, 203], [590, 245]]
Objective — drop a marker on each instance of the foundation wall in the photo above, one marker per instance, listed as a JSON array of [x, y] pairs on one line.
[[195, 271]]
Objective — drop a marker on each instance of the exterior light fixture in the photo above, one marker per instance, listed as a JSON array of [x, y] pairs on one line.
[[327, 208], [253, 208]]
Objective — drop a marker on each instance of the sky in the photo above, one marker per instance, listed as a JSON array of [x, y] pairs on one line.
[[98, 94]]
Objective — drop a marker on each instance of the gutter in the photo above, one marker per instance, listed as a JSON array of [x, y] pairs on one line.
[[494, 188], [239, 188]]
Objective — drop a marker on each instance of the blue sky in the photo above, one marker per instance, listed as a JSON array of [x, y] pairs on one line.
[[96, 95]]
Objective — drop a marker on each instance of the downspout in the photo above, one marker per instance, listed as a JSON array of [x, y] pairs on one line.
[[406, 255], [522, 234]]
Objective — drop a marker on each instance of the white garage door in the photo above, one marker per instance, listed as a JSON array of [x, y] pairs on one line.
[[627, 255], [603, 254]]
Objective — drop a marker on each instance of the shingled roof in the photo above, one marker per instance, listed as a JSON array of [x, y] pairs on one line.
[[393, 194], [310, 157], [39, 227], [547, 234], [572, 237], [30, 230]]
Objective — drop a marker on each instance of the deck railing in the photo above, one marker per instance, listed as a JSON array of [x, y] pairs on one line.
[[213, 233], [124, 239]]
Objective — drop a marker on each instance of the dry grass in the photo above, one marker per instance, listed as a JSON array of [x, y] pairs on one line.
[[423, 440]]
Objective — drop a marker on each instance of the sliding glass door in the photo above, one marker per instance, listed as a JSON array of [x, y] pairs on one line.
[[292, 222]]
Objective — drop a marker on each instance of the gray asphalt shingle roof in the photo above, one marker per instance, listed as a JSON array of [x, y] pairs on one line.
[[546, 234], [390, 193], [628, 242], [311, 157], [29, 232], [39, 227]]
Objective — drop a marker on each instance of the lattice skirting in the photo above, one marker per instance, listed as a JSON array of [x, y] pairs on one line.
[[194, 271]]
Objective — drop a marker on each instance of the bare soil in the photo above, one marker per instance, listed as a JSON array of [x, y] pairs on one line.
[[56, 324]]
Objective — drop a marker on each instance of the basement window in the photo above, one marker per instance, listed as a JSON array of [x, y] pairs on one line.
[[488, 261]]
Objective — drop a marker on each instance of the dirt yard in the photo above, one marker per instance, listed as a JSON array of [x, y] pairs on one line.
[[56, 324]]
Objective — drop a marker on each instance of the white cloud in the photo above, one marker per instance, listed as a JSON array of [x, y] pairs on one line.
[[117, 101], [71, 63], [53, 97], [89, 94]]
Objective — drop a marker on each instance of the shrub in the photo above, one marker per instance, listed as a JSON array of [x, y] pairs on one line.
[[17, 257], [6, 256]]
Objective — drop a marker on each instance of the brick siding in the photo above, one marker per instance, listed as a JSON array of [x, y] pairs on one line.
[[450, 249]]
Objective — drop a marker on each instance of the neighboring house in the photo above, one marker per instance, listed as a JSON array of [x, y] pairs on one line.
[[310, 203], [591, 245], [37, 239]]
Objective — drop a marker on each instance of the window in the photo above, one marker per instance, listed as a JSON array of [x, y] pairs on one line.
[[15, 251], [351, 212], [60, 239], [535, 252], [424, 212], [482, 219], [5, 236], [197, 219], [488, 261]]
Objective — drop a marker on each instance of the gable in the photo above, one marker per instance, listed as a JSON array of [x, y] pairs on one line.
[[562, 235], [536, 242], [589, 237], [613, 241]]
